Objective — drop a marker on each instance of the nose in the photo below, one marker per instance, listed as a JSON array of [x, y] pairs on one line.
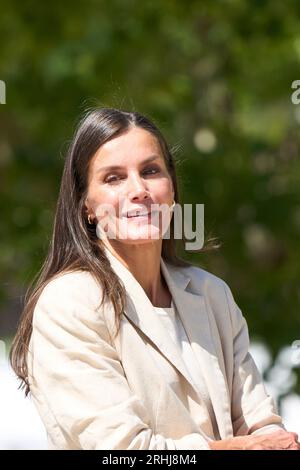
[[137, 190]]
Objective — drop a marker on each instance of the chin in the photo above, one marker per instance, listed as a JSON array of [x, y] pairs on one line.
[[148, 233], [137, 242], [135, 235]]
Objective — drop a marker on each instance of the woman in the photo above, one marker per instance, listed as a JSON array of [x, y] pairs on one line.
[[122, 344]]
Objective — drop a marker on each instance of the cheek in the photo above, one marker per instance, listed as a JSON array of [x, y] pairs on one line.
[[99, 195], [163, 189]]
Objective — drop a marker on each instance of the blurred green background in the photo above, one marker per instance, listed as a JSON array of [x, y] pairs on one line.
[[216, 78]]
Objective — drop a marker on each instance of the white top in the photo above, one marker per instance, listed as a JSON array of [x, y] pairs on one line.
[[172, 322]]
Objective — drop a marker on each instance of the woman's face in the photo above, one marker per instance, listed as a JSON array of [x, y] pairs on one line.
[[128, 174]]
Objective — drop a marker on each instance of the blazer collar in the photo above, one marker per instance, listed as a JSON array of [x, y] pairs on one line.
[[192, 309]]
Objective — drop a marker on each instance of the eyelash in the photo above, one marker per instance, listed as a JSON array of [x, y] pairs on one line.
[[109, 180]]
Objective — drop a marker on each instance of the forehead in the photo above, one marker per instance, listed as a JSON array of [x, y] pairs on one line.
[[135, 145]]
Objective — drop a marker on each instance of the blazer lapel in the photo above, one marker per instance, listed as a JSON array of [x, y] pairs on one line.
[[193, 313]]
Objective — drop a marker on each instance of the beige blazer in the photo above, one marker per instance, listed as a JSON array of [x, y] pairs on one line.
[[135, 392]]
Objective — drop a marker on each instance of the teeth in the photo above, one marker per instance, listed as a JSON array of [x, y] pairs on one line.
[[137, 215]]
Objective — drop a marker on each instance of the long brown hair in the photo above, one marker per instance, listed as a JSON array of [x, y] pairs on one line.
[[74, 244]]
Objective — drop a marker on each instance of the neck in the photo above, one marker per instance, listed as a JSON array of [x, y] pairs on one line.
[[143, 261]]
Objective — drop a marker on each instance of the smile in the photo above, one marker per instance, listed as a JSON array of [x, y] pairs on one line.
[[145, 215]]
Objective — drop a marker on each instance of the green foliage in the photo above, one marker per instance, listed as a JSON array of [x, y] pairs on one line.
[[225, 67]]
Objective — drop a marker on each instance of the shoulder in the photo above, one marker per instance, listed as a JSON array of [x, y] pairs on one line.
[[69, 296], [215, 291], [68, 307], [204, 282], [214, 288], [72, 284]]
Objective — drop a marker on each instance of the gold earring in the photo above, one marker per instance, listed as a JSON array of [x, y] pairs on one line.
[[89, 220], [172, 206]]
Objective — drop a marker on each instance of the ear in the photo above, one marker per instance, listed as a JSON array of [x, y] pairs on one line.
[[87, 206]]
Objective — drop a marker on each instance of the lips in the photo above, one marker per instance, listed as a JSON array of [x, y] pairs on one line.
[[145, 214], [135, 214]]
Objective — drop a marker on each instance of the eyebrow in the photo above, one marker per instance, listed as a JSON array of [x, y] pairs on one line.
[[119, 167]]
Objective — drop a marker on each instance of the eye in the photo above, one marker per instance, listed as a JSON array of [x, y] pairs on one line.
[[112, 179], [152, 170]]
